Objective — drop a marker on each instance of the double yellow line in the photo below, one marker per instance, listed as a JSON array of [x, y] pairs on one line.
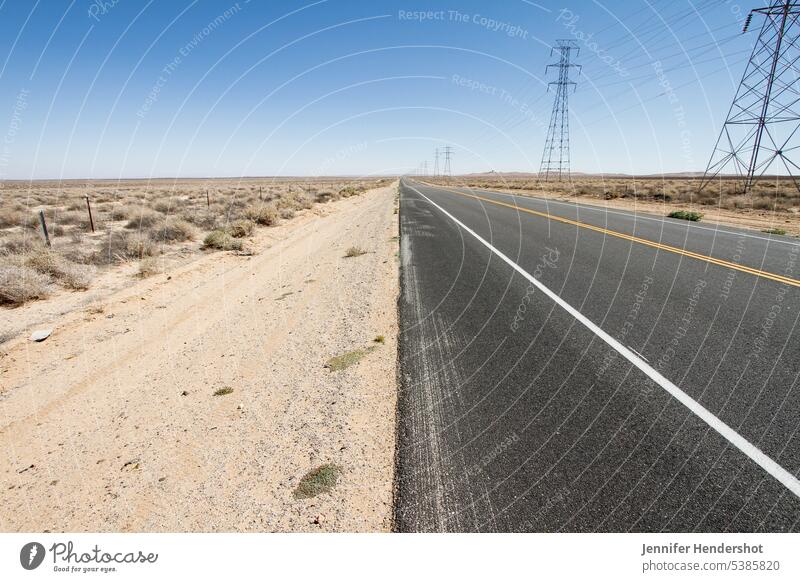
[[636, 239]]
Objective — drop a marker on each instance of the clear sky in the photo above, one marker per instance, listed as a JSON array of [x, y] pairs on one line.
[[125, 88]]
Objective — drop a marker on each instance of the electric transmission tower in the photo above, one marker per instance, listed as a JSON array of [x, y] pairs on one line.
[[555, 159], [448, 152], [436, 164], [762, 122]]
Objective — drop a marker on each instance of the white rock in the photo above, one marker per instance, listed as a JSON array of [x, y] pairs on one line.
[[41, 334]]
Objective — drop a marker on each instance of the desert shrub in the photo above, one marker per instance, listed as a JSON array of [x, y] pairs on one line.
[[287, 213], [201, 219], [265, 215], [162, 206], [348, 191], [59, 268], [221, 240], [10, 217], [354, 252], [80, 219], [21, 244], [144, 218], [150, 266], [294, 201], [324, 196], [21, 284], [120, 247], [241, 228], [686, 215], [173, 230], [119, 212]]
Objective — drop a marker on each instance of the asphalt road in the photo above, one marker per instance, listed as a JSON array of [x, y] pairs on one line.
[[649, 380]]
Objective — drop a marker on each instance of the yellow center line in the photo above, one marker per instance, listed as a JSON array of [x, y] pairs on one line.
[[649, 243]]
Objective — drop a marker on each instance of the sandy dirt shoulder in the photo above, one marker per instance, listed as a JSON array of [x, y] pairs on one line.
[[112, 424]]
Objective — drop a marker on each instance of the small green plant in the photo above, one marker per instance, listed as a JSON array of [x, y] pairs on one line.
[[354, 252], [223, 391], [346, 360], [379, 339], [774, 231], [317, 481], [686, 215]]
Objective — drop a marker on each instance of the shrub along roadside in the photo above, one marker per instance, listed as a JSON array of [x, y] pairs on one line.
[[686, 215]]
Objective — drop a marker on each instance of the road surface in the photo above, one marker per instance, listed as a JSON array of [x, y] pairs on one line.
[[568, 368]]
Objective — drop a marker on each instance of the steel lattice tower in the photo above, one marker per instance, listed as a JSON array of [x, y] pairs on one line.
[[448, 151], [436, 164], [764, 116], [555, 159]]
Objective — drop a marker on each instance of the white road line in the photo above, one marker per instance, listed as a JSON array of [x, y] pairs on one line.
[[634, 215], [754, 453]]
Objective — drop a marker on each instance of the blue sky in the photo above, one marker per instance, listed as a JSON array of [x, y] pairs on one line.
[[124, 88]]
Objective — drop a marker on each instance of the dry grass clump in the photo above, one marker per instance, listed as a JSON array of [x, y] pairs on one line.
[[120, 212], [10, 217], [221, 240], [18, 244], [65, 272], [241, 228], [265, 215], [354, 252], [163, 206], [349, 191], [120, 246], [19, 284], [144, 218], [150, 266], [172, 231]]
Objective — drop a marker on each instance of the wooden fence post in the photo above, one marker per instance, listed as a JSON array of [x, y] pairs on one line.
[[44, 227], [89, 208]]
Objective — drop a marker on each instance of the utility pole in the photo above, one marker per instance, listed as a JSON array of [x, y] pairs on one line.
[[448, 153], [555, 158], [425, 168], [764, 116], [436, 164]]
